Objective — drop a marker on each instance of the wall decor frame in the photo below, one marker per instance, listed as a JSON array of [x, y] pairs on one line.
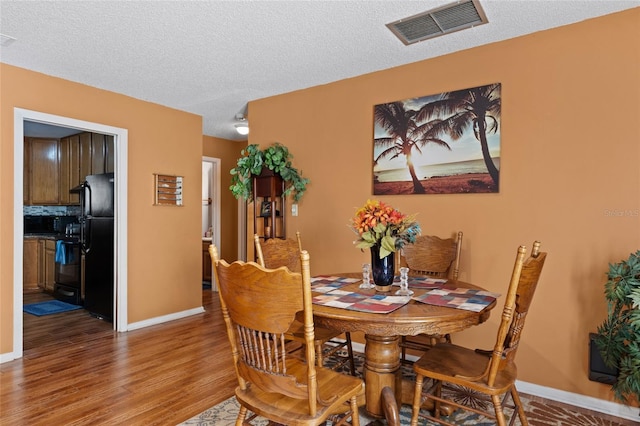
[[447, 143], [168, 190]]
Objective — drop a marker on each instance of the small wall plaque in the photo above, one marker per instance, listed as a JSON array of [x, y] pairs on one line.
[[168, 190]]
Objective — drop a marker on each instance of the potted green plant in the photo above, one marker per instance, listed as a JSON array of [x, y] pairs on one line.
[[276, 158], [618, 337]]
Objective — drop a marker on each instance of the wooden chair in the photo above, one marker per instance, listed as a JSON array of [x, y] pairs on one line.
[[434, 257], [491, 374], [258, 306], [276, 252]]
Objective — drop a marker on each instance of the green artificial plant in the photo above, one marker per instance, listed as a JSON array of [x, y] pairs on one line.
[[618, 336], [276, 158]]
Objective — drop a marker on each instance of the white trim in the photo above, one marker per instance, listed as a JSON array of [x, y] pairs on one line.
[[121, 144], [9, 356], [165, 318], [214, 184], [583, 401], [18, 230], [120, 223]]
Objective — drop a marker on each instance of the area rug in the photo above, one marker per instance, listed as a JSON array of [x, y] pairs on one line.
[[49, 307], [538, 413], [225, 413]]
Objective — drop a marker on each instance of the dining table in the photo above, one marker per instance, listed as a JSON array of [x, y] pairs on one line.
[[383, 330]]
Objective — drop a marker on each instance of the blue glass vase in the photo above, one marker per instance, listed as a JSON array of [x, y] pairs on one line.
[[382, 270]]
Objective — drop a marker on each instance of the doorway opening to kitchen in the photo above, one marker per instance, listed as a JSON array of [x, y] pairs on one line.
[[28, 118], [210, 216]]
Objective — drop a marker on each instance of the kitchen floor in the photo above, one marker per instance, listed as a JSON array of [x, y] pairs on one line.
[[46, 331]]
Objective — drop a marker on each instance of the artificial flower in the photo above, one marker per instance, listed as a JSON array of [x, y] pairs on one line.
[[379, 224]]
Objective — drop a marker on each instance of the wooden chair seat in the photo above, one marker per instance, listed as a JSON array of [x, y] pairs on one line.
[[491, 373], [456, 365], [291, 411]]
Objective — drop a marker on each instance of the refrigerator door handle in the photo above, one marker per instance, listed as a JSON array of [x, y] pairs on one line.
[[85, 236], [89, 196], [83, 195]]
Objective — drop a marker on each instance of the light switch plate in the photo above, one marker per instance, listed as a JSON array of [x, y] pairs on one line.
[[294, 210]]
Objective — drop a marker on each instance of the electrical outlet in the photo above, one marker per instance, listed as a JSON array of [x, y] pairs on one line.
[[294, 210]]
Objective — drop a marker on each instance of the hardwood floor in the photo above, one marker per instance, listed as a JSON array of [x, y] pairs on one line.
[[77, 370]]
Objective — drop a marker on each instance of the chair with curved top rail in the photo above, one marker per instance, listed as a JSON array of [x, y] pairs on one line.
[[276, 252], [434, 257], [258, 306], [489, 373]]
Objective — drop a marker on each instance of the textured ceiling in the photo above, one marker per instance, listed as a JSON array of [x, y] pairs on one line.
[[212, 57]]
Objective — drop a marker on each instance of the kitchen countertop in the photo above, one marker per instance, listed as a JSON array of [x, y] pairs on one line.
[[52, 237], [42, 236]]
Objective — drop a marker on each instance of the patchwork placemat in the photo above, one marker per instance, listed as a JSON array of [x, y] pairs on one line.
[[326, 283], [459, 298], [422, 282], [376, 303]]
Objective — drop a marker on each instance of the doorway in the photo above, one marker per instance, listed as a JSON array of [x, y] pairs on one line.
[[211, 205], [22, 116]]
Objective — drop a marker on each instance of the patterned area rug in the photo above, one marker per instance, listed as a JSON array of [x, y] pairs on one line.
[[538, 413]]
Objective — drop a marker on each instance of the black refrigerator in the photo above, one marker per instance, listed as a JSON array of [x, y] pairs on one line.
[[97, 242]]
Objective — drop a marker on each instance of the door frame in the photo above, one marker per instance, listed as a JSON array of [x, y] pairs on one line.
[[214, 185], [120, 322]]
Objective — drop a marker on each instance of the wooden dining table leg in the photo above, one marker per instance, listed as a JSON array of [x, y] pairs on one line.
[[381, 368]]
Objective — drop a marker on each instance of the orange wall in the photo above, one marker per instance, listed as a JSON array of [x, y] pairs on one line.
[[228, 152], [570, 153], [164, 243]]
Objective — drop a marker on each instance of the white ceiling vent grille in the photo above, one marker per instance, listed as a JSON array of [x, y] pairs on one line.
[[444, 20]]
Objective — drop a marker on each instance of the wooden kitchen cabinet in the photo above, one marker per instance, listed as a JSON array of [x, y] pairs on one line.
[[206, 261], [41, 263], [85, 154], [52, 167], [109, 154], [43, 171], [69, 169], [30, 265], [96, 154], [49, 265]]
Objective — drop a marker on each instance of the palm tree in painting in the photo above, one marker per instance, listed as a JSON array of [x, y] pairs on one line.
[[478, 107], [405, 136]]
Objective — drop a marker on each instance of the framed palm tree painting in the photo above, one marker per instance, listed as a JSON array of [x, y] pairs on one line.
[[440, 144]]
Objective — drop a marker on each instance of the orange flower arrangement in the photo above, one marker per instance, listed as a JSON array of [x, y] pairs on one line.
[[379, 224]]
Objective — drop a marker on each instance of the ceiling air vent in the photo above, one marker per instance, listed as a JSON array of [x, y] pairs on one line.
[[444, 20]]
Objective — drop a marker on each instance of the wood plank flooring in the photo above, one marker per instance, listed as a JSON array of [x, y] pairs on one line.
[[77, 371]]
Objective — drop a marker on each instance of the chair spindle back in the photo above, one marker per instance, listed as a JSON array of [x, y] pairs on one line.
[[259, 305], [276, 252], [522, 286]]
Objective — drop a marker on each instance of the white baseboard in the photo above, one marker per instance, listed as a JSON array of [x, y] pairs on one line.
[[9, 356], [164, 318], [588, 402], [582, 401]]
